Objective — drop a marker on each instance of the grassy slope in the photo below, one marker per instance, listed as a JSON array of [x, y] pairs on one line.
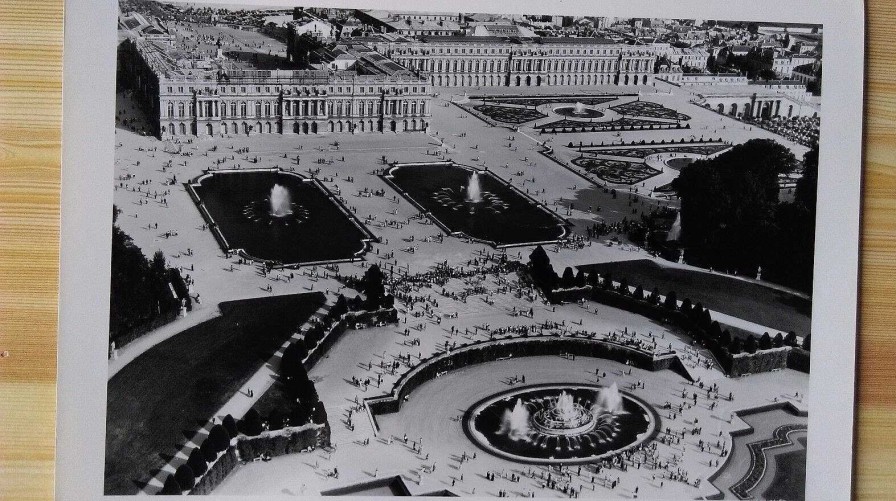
[[163, 396]]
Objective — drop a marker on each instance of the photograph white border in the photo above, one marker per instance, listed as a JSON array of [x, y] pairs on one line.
[[88, 158]]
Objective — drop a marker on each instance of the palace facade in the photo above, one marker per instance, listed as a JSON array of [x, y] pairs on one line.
[[212, 99], [454, 61]]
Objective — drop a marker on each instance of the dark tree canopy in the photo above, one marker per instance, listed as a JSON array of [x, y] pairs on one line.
[[185, 476], [171, 487], [568, 280], [219, 438], [542, 271], [251, 423], [140, 293], [197, 462], [373, 287], [751, 345], [732, 219]]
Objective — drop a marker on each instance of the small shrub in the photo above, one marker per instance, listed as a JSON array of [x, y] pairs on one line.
[[185, 477], [171, 487], [197, 462]]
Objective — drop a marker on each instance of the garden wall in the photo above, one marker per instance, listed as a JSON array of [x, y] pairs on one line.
[[523, 346], [346, 322], [275, 443], [761, 361], [734, 365], [798, 359], [284, 441]]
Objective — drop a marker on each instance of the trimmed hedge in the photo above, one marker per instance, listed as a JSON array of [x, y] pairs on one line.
[[798, 359], [760, 361], [185, 476], [216, 473], [197, 462], [285, 441], [171, 487], [697, 322]]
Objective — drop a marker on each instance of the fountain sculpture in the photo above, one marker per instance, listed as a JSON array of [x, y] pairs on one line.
[[560, 416]]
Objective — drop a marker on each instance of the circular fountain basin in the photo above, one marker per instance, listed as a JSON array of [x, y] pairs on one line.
[[679, 163], [580, 112], [558, 423]]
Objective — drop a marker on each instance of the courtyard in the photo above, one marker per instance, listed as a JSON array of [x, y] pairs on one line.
[[522, 196]]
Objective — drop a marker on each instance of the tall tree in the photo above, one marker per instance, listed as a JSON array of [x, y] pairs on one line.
[[731, 217], [373, 287]]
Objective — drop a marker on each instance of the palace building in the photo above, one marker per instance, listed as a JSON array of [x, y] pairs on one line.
[[207, 98], [493, 61]]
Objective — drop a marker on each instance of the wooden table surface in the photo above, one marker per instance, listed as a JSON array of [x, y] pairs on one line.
[[30, 134]]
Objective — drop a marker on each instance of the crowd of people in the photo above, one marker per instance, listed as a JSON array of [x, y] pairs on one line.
[[800, 130]]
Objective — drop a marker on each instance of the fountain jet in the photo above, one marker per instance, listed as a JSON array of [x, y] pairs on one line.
[[281, 202], [474, 190], [675, 230], [608, 400], [579, 109], [515, 424]]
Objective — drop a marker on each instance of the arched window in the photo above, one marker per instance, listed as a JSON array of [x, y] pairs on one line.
[[183, 129], [171, 129], [267, 109], [180, 109], [258, 109], [170, 109], [243, 109], [224, 128]]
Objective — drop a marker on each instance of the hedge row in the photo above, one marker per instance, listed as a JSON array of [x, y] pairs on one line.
[[205, 462]]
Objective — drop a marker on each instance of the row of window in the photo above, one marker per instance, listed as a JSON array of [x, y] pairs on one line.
[[303, 128], [267, 89], [297, 108], [505, 50], [471, 66]]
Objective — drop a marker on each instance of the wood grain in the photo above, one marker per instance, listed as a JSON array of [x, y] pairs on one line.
[[30, 142], [30, 133], [875, 475]]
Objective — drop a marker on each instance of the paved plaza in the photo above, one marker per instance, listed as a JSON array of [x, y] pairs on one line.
[[449, 192], [158, 213]]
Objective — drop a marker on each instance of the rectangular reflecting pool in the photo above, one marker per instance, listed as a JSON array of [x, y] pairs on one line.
[[277, 216], [477, 204]]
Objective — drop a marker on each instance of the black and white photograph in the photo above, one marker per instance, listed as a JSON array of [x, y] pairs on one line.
[[389, 252]]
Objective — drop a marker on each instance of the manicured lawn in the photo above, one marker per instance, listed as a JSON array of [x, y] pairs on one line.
[[162, 397], [738, 298], [790, 475]]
